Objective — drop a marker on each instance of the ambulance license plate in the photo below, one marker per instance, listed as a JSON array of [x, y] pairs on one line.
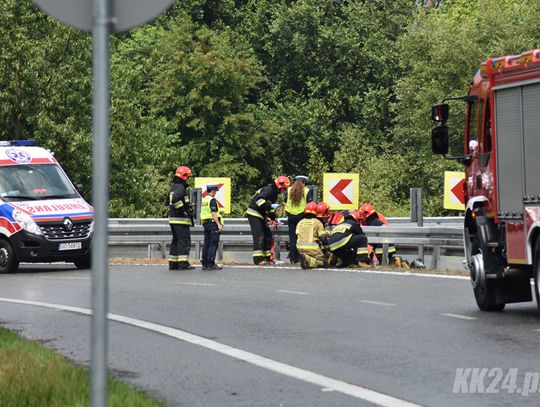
[[70, 246]]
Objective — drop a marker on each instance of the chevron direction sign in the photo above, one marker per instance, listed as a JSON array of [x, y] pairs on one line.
[[341, 190], [223, 196], [453, 190]]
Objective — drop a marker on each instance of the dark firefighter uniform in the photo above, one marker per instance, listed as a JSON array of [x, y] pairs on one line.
[[260, 209], [345, 240], [180, 220], [373, 220]]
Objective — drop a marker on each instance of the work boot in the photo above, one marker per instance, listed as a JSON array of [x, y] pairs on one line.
[[214, 266], [204, 266], [184, 265], [303, 262], [173, 265]]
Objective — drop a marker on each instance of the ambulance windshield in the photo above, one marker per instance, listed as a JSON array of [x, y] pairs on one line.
[[34, 182]]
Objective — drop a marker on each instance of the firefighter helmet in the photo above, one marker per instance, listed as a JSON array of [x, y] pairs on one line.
[[367, 210], [282, 182], [323, 210], [311, 207], [183, 172], [356, 215]]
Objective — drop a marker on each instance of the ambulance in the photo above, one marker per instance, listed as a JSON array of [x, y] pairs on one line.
[[43, 218]]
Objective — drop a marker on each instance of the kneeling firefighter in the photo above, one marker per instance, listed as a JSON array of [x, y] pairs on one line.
[[261, 208], [311, 238], [347, 238], [375, 218]]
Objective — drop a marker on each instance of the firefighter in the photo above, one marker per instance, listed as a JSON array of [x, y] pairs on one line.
[[262, 208], [180, 220], [374, 218], [346, 239], [323, 213], [212, 224], [296, 198], [311, 236]]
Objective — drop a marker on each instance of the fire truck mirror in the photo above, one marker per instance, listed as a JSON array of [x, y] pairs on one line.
[[439, 140], [439, 112]]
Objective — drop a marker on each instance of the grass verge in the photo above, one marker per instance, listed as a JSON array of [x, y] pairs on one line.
[[34, 376]]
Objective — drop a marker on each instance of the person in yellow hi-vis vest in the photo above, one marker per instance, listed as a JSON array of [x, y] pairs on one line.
[[298, 195], [311, 237], [213, 225]]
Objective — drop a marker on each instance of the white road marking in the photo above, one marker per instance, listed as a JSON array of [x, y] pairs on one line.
[[458, 316], [210, 285], [359, 392], [327, 389], [66, 278], [292, 292], [393, 273], [377, 302]]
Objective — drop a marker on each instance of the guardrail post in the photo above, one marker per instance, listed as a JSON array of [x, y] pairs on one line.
[[163, 249], [417, 215], [436, 257], [220, 250], [385, 254]]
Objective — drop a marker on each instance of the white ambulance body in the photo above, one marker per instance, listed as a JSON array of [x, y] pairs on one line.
[[42, 216]]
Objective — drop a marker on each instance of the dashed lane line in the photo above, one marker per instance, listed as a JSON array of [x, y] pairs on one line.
[[458, 316], [324, 382], [292, 292], [377, 303], [203, 284]]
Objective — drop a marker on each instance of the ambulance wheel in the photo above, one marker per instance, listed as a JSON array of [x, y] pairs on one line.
[[8, 259], [536, 271], [84, 263]]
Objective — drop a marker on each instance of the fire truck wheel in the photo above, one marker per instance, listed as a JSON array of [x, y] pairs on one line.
[[536, 269], [485, 296], [8, 259]]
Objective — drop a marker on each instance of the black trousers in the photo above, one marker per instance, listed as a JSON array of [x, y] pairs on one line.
[[292, 222], [347, 253], [180, 244], [211, 242], [262, 239]]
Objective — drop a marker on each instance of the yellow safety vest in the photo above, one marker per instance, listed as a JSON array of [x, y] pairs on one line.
[[206, 212], [297, 209]]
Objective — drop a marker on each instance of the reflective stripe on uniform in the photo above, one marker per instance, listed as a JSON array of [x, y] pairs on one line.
[[173, 258], [182, 258], [180, 221], [179, 204], [260, 202], [307, 245], [362, 250], [391, 249], [258, 253], [253, 212], [340, 243], [341, 228]]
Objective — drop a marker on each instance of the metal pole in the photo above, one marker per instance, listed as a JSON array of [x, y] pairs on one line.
[[100, 188], [420, 220]]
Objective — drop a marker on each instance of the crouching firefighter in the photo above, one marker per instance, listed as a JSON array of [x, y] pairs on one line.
[[262, 207], [374, 218], [346, 239], [180, 220], [311, 238]]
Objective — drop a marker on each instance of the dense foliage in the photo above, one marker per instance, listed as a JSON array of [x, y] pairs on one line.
[[251, 89]]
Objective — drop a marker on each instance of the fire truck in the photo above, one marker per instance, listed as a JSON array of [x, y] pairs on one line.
[[502, 178]]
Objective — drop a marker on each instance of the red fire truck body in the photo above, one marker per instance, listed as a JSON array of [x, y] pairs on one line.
[[502, 185]]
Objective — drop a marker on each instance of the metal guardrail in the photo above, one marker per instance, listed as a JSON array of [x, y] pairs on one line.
[[441, 233]]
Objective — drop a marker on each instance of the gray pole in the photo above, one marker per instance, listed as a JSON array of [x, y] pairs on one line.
[[100, 192]]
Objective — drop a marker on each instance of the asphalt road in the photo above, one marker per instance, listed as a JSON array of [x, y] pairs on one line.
[[284, 337]]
